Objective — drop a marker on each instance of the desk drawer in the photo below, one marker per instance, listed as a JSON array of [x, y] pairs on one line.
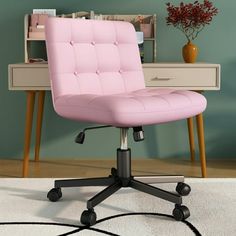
[[187, 77], [29, 78]]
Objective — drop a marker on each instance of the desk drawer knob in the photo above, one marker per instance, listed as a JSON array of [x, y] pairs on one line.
[[161, 78]]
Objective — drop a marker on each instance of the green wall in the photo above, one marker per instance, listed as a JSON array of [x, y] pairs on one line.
[[216, 44]]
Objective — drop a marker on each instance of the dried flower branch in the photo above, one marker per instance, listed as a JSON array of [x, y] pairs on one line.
[[191, 18]]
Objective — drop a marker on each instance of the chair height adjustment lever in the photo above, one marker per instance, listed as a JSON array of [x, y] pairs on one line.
[[138, 134], [81, 136]]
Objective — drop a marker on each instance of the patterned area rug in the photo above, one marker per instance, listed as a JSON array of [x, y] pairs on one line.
[[25, 210]]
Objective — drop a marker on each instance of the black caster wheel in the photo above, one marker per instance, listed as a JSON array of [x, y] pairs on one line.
[[183, 189], [114, 172], [181, 213], [88, 217], [54, 194]]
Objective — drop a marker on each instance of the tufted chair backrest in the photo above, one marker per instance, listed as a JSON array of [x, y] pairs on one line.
[[92, 57]]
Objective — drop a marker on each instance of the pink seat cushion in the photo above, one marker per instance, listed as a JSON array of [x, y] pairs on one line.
[[96, 76], [141, 107]]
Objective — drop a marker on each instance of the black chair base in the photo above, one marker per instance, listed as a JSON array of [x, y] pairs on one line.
[[121, 177]]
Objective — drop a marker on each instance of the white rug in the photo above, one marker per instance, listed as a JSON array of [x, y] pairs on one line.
[[212, 204]]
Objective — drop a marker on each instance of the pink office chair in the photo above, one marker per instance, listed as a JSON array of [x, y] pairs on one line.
[[96, 76]]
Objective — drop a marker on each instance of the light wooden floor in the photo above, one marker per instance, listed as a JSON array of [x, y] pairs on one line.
[[92, 168]]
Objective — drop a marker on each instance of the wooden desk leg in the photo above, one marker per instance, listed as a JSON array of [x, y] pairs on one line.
[[28, 129], [201, 143], [41, 99], [191, 138]]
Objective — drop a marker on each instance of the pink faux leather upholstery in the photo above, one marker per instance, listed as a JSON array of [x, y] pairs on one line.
[[96, 76]]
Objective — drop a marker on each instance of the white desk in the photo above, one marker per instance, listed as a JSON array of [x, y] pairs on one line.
[[34, 78], [197, 76]]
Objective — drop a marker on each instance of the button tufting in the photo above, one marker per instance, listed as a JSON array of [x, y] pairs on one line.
[[120, 71], [72, 42], [97, 72], [116, 43], [93, 43], [75, 73]]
